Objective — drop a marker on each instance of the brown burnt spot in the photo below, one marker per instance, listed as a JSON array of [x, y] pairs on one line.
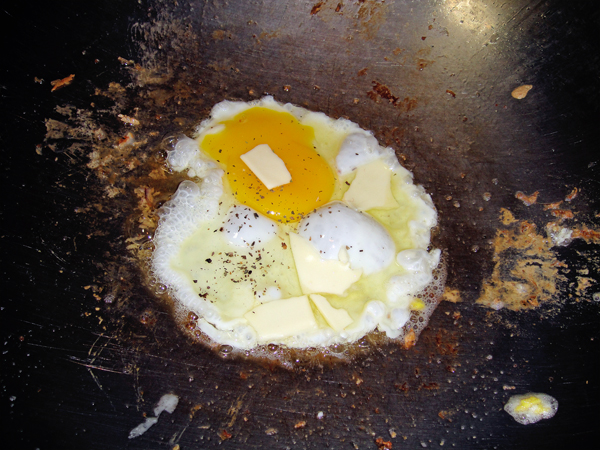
[[300, 424], [369, 18], [572, 195], [586, 234], [422, 63], [451, 295], [362, 72], [402, 387], [220, 35], [148, 318], [224, 435], [451, 93], [562, 214], [382, 91], [61, 83], [551, 206], [429, 386], [383, 445], [446, 342], [445, 415], [527, 200], [316, 8]]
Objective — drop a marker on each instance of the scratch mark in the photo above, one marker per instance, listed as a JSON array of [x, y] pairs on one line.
[[234, 410], [95, 378]]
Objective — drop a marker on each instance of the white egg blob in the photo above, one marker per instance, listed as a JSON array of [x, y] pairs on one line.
[[356, 150], [245, 227], [335, 227], [185, 155], [531, 407], [418, 264]]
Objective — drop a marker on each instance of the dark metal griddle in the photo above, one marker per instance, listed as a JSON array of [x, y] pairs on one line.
[[430, 78]]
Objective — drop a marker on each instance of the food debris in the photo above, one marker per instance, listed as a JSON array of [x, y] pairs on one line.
[[224, 435], [167, 402], [586, 234], [300, 424], [572, 195], [381, 444], [551, 206], [451, 295], [506, 217], [410, 339], [126, 62], [583, 285], [525, 274], [126, 140], [58, 84], [445, 415], [562, 214], [316, 8], [527, 200], [128, 120], [521, 92]]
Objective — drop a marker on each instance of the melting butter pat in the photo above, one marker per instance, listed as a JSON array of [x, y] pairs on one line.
[[267, 166], [338, 319], [317, 275], [371, 187], [279, 319]]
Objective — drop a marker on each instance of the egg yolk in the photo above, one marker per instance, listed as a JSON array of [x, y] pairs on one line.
[[532, 404], [312, 179]]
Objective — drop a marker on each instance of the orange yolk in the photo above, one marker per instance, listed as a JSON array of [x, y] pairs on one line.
[[312, 179]]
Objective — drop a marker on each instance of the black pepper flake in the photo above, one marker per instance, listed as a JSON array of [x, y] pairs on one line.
[[195, 281], [208, 260]]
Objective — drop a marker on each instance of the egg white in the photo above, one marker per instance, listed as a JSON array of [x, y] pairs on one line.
[[220, 259]]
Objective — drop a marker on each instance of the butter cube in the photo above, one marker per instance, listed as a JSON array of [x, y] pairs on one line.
[[279, 319], [329, 276], [338, 319], [371, 187], [267, 166]]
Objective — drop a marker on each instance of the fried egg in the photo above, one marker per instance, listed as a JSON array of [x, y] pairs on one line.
[[294, 229]]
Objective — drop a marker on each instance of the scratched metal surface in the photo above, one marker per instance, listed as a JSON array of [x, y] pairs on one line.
[[85, 380]]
